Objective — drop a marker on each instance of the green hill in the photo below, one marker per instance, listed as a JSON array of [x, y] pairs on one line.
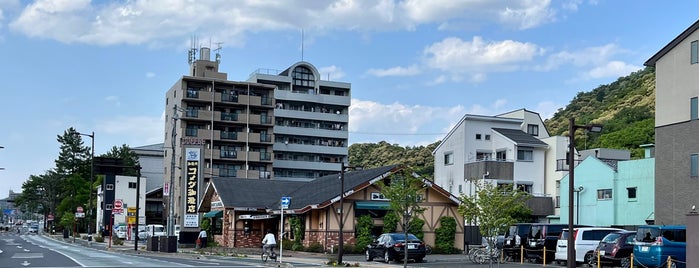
[[625, 108]]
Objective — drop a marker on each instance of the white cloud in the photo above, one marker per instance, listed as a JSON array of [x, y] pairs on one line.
[[395, 71], [611, 69], [530, 14], [547, 109], [113, 99], [158, 22], [455, 55], [599, 61], [133, 130], [150, 74], [331, 73]]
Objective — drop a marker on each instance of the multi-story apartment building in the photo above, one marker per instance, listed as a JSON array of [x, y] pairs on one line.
[[505, 149], [676, 124], [311, 116], [217, 128]]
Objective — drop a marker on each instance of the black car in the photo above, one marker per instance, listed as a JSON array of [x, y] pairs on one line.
[[515, 237], [616, 248], [391, 246], [543, 236]]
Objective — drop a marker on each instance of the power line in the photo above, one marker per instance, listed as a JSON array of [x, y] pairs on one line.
[[396, 133]]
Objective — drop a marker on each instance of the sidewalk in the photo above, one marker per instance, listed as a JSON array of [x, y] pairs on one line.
[[288, 257]]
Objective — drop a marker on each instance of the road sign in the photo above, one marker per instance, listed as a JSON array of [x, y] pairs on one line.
[[118, 211], [79, 209], [80, 215], [118, 204], [50, 217], [285, 202]]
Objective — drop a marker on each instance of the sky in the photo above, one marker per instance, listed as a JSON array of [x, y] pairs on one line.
[[416, 67]]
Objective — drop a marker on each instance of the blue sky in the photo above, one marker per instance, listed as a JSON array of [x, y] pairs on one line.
[[416, 67]]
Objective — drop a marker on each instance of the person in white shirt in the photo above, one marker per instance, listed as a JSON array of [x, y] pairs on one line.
[[202, 238], [268, 243]]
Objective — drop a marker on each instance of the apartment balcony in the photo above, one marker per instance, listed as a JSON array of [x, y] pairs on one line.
[[501, 170], [315, 98], [315, 115], [197, 115], [313, 132], [306, 148], [195, 95], [562, 164], [540, 205]]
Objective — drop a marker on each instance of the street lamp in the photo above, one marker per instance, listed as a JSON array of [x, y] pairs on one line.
[[577, 205], [340, 249], [92, 170], [571, 181]]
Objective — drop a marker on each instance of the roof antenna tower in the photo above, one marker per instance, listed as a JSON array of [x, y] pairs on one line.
[[192, 53], [301, 44], [218, 52]]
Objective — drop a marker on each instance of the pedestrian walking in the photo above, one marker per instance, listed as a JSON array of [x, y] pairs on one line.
[[202, 238]]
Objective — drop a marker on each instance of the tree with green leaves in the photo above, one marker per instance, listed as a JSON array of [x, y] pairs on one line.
[[405, 192], [128, 156], [493, 208], [364, 226]]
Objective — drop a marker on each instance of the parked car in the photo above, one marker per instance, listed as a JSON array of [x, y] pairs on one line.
[[655, 243], [616, 248], [585, 240], [391, 246], [119, 231], [155, 230], [516, 236], [543, 236]]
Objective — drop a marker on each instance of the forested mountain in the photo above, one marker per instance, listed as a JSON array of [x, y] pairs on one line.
[[625, 108]]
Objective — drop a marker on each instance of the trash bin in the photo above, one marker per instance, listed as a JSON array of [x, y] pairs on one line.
[[168, 244], [66, 233], [152, 244]]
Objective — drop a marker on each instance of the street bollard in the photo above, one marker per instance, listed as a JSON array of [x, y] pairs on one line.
[[544, 255], [598, 259], [521, 254], [631, 260], [669, 262]]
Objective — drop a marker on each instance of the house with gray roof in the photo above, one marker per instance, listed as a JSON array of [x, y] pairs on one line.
[[242, 209]]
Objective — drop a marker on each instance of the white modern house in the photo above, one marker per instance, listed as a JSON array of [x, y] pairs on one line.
[[505, 150]]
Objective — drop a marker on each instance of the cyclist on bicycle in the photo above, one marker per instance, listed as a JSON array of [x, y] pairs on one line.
[[268, 244]]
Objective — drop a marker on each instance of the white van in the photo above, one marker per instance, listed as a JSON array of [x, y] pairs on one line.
[[155, 230], [120, 231], [586, 240]]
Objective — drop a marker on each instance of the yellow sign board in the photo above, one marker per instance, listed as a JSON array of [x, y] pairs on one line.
[[131, 215]]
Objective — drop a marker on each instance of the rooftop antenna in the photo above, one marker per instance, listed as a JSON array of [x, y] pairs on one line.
[[192, 53], [218, 51], [301, 44]]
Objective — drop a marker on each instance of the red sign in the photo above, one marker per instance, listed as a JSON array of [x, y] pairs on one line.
[[118, 204], [50, 217], [79, 209]]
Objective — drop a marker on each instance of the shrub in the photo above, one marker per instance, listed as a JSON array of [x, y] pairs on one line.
[[416, 225], [99, 239], [315, 247], [287, 244], [445, 236], [364, 226], [390, 222], [117, 241]]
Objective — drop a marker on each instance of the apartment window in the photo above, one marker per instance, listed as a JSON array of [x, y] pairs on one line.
[[525, 154], [604, 194], [108, 206], [449, 158], [478, 136], [460, 188], [695, 52], [694, 108], [631, 191], [132, 185], [694, 165], [109, 186], [482, 156], [525, 188], [501, 155], [533, 129], [487, 137]]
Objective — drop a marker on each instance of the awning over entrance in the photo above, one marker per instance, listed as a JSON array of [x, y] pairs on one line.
[[375, 205], [214, 214]]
